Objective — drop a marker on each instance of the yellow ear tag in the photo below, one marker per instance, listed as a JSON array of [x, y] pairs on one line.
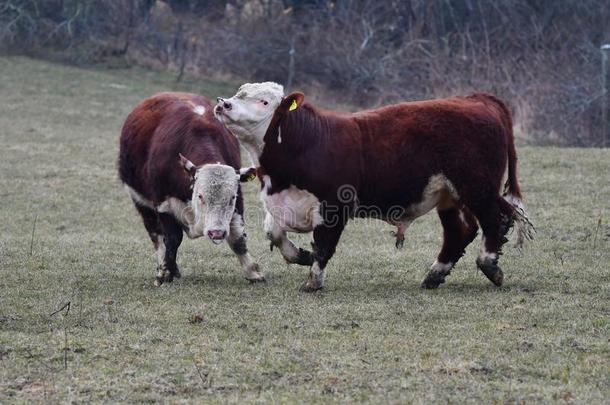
[[293, 106], [251, 177]]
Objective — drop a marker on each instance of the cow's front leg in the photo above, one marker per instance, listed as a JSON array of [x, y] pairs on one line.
[[168, 251], [237, 242], [325, 239], [290, 252]]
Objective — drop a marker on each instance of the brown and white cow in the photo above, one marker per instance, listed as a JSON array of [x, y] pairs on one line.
[[181, 169], [396, 163]]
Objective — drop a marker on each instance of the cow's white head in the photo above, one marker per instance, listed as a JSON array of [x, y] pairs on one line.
[[248, 113], [215, 189]]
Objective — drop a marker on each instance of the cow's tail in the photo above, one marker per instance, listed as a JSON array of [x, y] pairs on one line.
[[512, 192]]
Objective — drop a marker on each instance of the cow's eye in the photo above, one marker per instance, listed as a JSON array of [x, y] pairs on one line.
[[200, 197], [265, 102]]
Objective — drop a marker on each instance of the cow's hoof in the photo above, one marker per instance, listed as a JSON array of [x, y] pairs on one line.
[[254, 275], [160, 280], [166, 276], [256, 278], [436, 275], [491, 270], [310, 287], [433, 280], [400, 241]]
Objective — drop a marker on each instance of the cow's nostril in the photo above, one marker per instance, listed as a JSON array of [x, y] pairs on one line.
[[216, 234], [226, 105]]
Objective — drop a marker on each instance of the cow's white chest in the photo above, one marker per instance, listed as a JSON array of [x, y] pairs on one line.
[[183, 212], [292, 209]]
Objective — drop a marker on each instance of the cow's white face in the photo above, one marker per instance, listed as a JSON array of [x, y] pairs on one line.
[[213, 200], [248, 113]]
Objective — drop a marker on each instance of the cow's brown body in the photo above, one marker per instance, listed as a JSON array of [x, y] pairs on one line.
[[160, 128], [153, 136], [388, 157]]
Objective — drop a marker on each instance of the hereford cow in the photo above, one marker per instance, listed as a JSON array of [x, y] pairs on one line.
[[318, 168], [181, 169]]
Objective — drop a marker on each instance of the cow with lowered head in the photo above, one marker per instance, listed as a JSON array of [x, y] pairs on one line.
[[181, 169], [319, 168]]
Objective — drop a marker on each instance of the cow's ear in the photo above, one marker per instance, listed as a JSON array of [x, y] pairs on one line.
[[190, 168], [246, 174], [292, 101]]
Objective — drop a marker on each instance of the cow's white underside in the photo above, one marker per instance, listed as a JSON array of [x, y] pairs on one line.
[[175, 207], [297, 210], [439, 192], [290, 210]]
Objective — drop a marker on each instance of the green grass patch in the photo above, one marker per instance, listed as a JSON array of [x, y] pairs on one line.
[[373, 335]]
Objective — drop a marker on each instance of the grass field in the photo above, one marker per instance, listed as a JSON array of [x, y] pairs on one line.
[[69, 233]]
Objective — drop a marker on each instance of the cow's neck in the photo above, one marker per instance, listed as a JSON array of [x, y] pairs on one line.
[[255, 150], [251, 138], [289, 143], [298, 130], [249, 142]]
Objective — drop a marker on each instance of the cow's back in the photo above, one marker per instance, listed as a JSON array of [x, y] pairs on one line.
[[160, 128], [403, 144]]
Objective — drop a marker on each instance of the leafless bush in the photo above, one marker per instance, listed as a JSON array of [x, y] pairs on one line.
[[542, 56]]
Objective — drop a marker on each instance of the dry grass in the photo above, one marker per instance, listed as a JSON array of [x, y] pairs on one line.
[[372, 336]]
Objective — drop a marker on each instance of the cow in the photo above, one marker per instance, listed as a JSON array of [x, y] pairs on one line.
[[181, 168], [319, 168]]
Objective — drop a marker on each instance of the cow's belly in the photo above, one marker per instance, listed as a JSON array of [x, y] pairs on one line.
[[291, 210], [439, 192]]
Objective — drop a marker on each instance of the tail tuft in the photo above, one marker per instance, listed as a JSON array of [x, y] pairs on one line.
[[525, 227]]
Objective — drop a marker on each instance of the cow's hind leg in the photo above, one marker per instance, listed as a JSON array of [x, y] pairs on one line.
[[506, 219], [492, 219], [401, 228], [172, 238], [237, 242], [459, 230]]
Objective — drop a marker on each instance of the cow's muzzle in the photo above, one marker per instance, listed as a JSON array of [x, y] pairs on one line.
[[223, 104], [217, 235]]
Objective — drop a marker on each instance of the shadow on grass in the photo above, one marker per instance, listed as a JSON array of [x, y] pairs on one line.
[[282, 283], [379, 289]]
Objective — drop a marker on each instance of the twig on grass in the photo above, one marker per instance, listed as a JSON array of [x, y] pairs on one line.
[[207, 382], [65, 349], [32, 237], [42, 363], [599, 224], [558, 256], [66, 306]]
